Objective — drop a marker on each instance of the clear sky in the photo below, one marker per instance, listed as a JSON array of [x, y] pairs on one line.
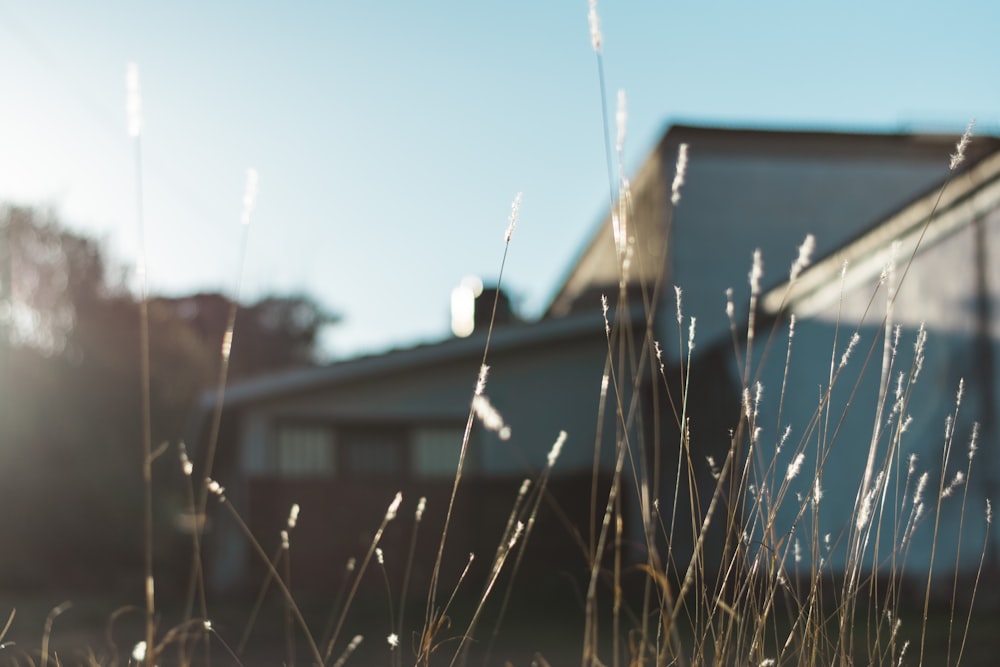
[[391, 137]]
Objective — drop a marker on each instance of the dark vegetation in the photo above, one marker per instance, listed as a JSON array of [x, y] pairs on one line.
[[70, 401]]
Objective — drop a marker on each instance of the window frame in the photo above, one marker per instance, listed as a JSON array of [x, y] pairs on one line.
[[345, 436], [275, 467]]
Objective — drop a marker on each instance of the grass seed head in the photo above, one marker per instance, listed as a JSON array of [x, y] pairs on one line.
[[680, 173], [959, 155], [515, 209], [186, 466], [490, 416], [216, 489], [795, 466], [805, 257], [390, 514], [249, 196], [556, 448], [756, 272], [481, 382], [595, 26]]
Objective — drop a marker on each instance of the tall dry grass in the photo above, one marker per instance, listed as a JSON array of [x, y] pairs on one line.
[[760, 596]]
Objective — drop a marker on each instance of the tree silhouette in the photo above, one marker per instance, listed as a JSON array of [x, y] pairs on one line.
[[69, 395]]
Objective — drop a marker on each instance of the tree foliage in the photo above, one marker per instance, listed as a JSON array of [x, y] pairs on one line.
[[274, 333], [47, 273], [69, 389]]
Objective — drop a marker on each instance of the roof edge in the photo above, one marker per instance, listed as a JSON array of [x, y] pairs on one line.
[[973, 192]]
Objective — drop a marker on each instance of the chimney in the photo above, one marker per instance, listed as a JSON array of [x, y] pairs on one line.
[[472, 307], [484, 309]]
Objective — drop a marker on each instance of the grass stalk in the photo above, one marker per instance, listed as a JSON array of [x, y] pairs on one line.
[[491, 582], [338, 599], [389, 516], [393, 637], [528, 527], [480, 385], [225, 350], [214, 488], [258, 602], [418, 516], [134, 111], [47, 632]]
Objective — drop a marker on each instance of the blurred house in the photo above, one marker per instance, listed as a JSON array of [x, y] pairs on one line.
[[341, 440], [864, 197]]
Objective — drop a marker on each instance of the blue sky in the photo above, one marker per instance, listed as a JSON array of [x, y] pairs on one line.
[[391, 137]]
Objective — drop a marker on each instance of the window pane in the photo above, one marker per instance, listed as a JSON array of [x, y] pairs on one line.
[[375, 452], [258, 446], [305, 451], [435, 451]]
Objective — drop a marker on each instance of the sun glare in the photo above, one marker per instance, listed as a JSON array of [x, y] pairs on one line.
[[463, 306]]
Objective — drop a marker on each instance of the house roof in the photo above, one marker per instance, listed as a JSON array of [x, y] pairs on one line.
[[753, 188], [731, 159], [969, 195], [505, 338]]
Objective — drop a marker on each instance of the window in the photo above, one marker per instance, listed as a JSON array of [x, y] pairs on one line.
[[374, 451], [305, 451], [436, 450], [294, 450]]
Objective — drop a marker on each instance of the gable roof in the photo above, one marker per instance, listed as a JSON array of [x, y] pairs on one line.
[[968, 196], [413, 359], [752, 188], [742, 169]]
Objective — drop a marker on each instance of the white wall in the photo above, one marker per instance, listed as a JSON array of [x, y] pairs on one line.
[[939, 289]]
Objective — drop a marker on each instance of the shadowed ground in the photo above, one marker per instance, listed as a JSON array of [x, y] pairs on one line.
[[102, 629]]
